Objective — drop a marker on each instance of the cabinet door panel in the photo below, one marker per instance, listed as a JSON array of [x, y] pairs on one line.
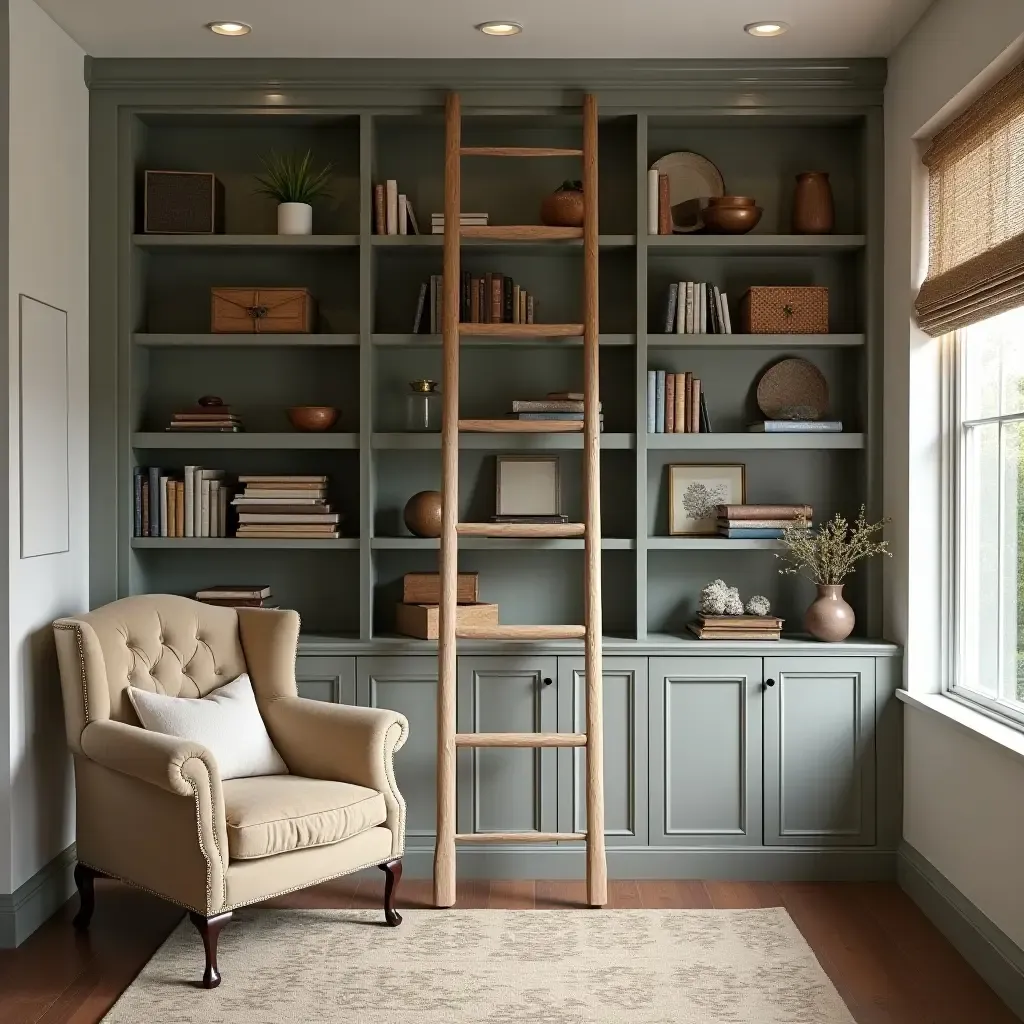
[[625, 749], [819, 751], [409, 685], [705, 737], [331, 679], [507, 789]]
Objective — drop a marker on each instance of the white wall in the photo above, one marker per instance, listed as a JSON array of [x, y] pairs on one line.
[[959, 791], [48, 260]]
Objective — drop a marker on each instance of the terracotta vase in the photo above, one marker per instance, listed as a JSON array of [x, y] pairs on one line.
[[423, 514], [564, 207], [814, 212], [829, 618]]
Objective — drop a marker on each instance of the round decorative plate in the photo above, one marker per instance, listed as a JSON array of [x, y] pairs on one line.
[[793, 389], [692, 180]]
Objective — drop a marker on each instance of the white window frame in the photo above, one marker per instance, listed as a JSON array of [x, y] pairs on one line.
[[956, 684]]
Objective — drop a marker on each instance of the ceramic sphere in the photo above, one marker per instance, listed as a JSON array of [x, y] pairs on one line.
[[423, 514]]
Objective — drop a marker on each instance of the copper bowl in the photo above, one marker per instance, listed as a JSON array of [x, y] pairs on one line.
[[721, 219], [313, 417], [731, 201]]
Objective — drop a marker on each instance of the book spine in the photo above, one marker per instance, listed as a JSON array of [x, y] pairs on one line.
[[652, 202], [205, 509], [506, 300], [523, 297], [434, 318], [420, 301], [172, 508], [764, 511], [197, 500], [414, 228], [516, 296], [403, 215], [670, 403], [214, 508], [664, 209], [391, 205], [137, 501], [688, 328], [680, 310], [702, 309], [222, 512], [145, 506], [705, 420], [179, 508], [379, 222], [726, 316], [694, 405], [529, 309], [154, 502], [163, 505], [660, 409], [652, 388], [497, 298], [547, 405], [670, 307], [719, 321], [679, 394], [190, 501]]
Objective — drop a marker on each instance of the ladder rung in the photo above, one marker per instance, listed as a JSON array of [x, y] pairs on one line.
[[520, 529], [521, 330], [518, 151], [521, 632], [519, 837], [520, 739], [521, 426], [520, 232]]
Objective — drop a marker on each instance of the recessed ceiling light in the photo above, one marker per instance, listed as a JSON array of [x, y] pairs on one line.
[[499, 28], [229, 28], [766, 29]]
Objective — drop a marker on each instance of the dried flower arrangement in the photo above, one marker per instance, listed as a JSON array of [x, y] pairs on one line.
[[827, 556]]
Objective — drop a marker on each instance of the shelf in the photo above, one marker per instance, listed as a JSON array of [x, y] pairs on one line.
[[238, 543], [483, 341], [246, 340], [710, 544], [738, 442], [755, 340], [330, 440], [502, 442], [754, 245], [517, 244], [499, 543], [299, 242]]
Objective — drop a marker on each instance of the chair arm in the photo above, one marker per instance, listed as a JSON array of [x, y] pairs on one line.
[[343, 744]]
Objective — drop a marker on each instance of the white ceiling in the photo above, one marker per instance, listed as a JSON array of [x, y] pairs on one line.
[[444, 28]]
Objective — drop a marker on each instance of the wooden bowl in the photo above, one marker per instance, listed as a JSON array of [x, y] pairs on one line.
[[313, 417], [732, 201], [721, 219]]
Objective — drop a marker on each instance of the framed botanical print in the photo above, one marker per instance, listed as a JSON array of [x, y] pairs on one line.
[[695, 490]]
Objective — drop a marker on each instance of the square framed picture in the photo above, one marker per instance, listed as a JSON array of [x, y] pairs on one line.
[[527, 485], [695, 489]]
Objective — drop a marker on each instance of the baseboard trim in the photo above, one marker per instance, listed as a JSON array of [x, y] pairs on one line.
[[728, 864], [983, 944], [32, 903]]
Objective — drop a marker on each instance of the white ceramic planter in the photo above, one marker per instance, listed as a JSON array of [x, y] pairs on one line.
[[295, 219]]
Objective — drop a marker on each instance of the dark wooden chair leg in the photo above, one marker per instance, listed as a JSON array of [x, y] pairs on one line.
[[209, 928], [392, 877], [84, 878]]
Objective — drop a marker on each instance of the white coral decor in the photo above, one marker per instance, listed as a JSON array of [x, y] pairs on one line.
[[759, 605], [718, 598], [733, 602]]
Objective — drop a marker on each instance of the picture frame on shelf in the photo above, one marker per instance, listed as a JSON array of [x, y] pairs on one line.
[[694, 491], [527, 485]]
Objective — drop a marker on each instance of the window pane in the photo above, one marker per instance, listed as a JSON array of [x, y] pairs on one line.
[[1012, 597], [993, 367], [1008, 332]]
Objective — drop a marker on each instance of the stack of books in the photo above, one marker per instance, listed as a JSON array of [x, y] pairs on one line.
[[484, 299], [797, 427], [760, 522], [392, 211], [206, 417], [675, 404], [466, 220], [696, 307], [189, 503], [285, 508], [556, 405], [227, 595], [736, 627]]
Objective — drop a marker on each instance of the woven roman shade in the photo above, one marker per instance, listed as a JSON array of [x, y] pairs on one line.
[[976, 212]]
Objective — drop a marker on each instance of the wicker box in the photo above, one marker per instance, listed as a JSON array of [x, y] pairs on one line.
[[261, 311], [785, 310], [424, 620], [182, 203], [425, 588]]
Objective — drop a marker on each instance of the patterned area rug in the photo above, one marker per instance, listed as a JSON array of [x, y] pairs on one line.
[[491, 967]]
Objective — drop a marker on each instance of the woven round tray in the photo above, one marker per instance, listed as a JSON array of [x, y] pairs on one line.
[[793, 389]]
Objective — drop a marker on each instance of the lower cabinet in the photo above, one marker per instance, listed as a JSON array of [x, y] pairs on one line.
[[331, 679]]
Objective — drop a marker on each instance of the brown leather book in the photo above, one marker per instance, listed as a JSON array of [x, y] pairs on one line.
[[497, 297], [474, 300], [378, 210], [670, 403], [179, 508], [694, 408], [682, 411], [664, 209], [765, 511], [145, 507]]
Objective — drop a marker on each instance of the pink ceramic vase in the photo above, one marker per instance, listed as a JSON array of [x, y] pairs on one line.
[[829, 618]]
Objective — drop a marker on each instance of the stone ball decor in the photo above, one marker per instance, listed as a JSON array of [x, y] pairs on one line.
[[759, 605], [423, 514], [564, 207]]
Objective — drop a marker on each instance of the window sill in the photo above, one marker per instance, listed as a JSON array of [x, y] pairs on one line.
[[969, 720]]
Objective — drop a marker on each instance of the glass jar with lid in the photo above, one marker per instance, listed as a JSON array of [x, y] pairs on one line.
[[423, 406]]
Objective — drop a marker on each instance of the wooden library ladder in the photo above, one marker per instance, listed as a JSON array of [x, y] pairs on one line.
[[590, 529]]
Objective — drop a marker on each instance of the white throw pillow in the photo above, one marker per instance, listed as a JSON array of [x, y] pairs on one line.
[[226, 721]]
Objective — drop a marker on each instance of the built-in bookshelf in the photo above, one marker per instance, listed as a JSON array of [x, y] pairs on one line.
[[363, 354]]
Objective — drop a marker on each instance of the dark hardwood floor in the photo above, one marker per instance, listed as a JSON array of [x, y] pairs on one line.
[[887, 961]]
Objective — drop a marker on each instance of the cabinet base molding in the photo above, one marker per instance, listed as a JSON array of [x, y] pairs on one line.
[[757, 865]]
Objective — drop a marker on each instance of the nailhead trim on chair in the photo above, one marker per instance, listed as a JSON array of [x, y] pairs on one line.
[[81, 659], [199, 835]]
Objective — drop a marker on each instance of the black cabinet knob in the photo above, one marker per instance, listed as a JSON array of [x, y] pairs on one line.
[[769, 682], [548, 680]]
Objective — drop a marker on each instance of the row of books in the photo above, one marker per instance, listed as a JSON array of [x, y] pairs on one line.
[[192, 503], [486, 299], [675, 404], [696, 307], [230, 595], [760, 522], [392, 212], [285, 507], [465, 220], [557, 405], [736, 627]]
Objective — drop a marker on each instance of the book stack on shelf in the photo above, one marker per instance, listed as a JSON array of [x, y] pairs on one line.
[[466, 220], [190, 504], [208, 415], [696, 307], [797, 427], [676, 404], [227, 595], [760, 522], [556, 405], [484, 299], [419, 613], [285, 508], [392, 211], [736, 627]]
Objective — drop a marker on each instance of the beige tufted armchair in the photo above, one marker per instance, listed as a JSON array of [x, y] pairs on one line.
[[152, 809]]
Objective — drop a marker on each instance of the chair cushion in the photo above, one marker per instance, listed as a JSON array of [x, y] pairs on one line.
[[278, 813]]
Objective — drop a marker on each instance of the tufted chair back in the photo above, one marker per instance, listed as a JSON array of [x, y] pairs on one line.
[[157, 642]]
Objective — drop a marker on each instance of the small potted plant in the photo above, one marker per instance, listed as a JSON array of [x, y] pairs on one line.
[[826, 557], [564, 207], [291, 179]]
